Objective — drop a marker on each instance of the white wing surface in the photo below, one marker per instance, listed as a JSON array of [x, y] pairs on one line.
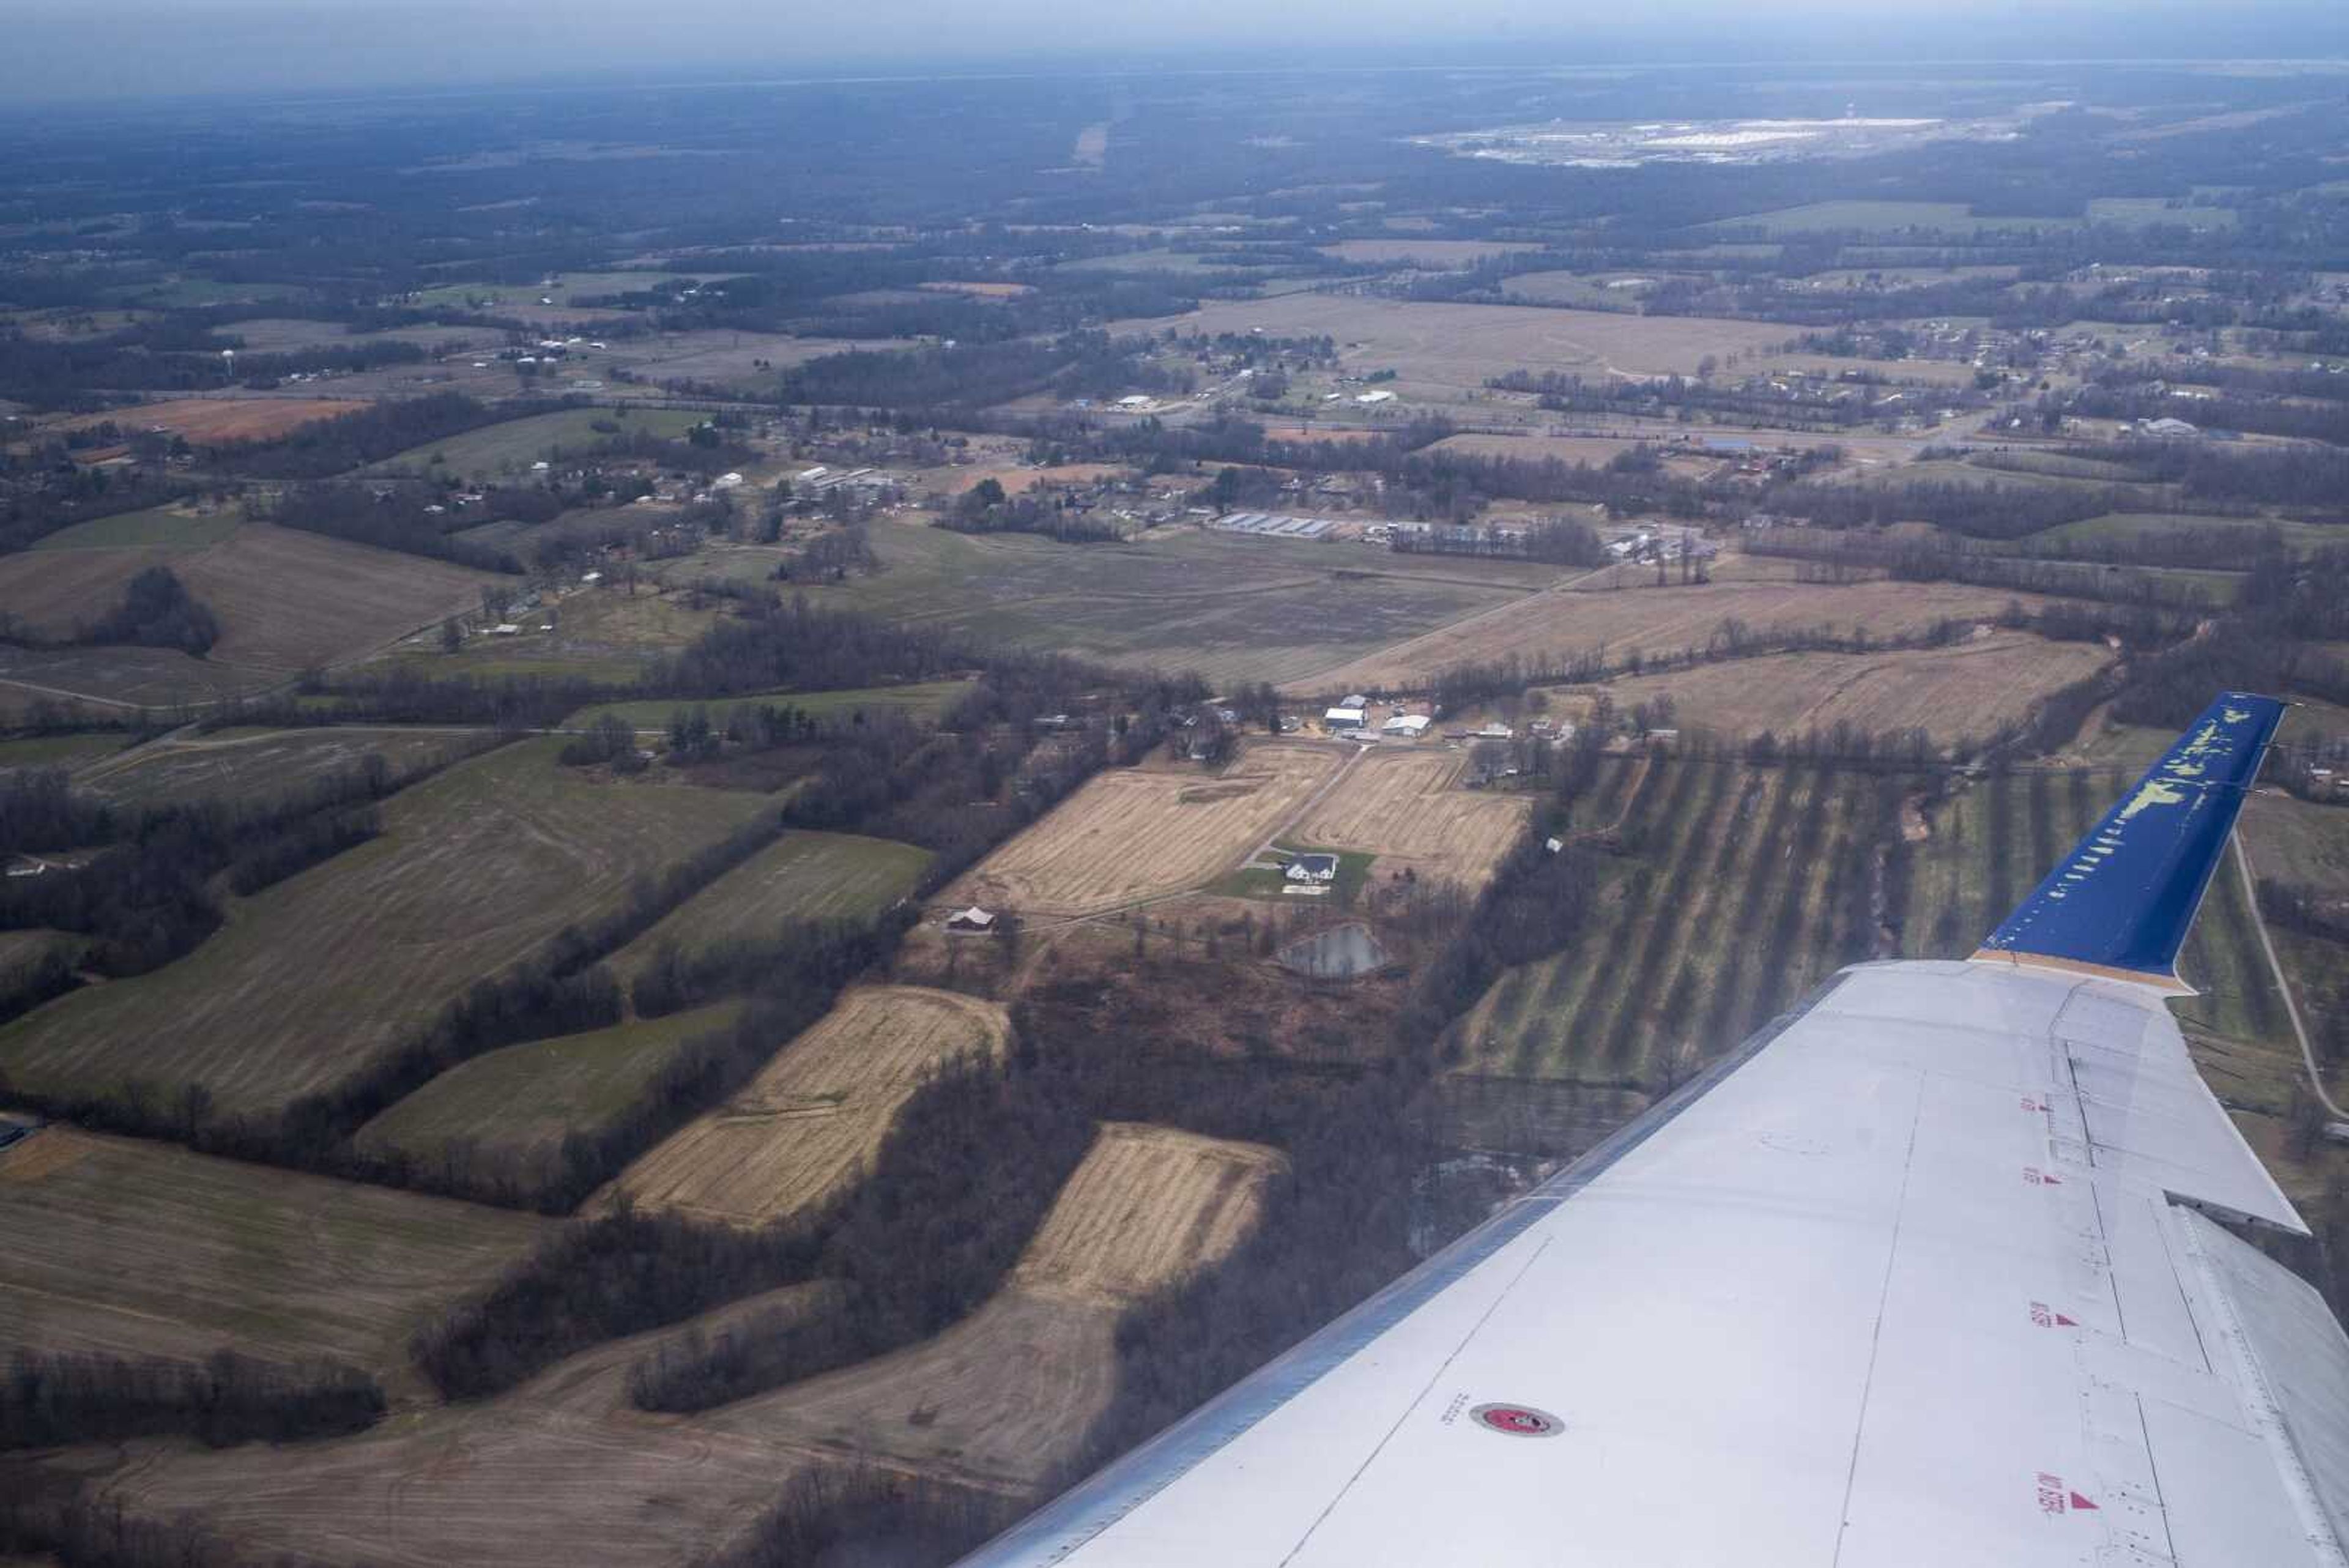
[[1939, 1271]]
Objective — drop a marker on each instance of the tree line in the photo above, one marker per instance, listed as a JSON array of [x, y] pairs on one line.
[[49, 1398]]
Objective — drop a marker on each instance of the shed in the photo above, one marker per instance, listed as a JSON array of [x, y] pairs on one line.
[[1410, 725], [1344, 717], [971, 919]]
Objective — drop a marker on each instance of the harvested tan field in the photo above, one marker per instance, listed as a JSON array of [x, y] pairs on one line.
[[1405, 807], [1130, 834], [1149, 1205], [980, 290], [817, 1113], [1555, 626], [209, 419], [138, 1248], [1968, 691], [287, 600], [564, 1473], [1460, 346]]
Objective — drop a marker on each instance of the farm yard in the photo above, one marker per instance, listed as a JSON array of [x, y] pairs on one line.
[[814, 1116], [1552, 627], [1130, 834], [801, 875], [1406, 807], [1965, 693], [521, 1101], [311, 980], [132, 1247]]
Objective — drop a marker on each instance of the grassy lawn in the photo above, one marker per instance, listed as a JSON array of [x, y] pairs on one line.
[[528, 1097], [1250, 882], [59, 751]]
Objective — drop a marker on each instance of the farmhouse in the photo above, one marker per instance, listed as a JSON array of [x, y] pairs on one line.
[[1313, 869]]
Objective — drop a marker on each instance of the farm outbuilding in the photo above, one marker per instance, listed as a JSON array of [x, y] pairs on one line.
[[1409, 726], [971, 919], [1345, 717]]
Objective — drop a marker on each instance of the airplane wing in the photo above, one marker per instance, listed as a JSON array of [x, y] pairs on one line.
[[1947, 1268]]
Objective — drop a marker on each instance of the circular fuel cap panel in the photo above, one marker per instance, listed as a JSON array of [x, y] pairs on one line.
[[1517, 1420]]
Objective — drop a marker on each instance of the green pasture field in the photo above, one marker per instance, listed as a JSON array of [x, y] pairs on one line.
[[156, 528], [59, 751], [529, 1097], [310, 981], [230, 764], [1234, 610], [1884, 217], [801, 875], [501, 449], [926, 700], [137, 1248]]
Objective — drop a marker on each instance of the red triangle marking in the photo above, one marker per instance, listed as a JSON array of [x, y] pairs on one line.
[[2079, 1501], [2063, 1322]]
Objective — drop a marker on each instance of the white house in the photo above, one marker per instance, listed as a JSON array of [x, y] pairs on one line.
[[1344, 717], [1313, 869]]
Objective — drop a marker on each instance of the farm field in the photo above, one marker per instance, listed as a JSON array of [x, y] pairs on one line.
[[1405, 807], [994, 1404], [1148, 1206], [59, 751], [1969, 691], [230, 763], [205, 421], [132, 1247], [285, 599], [122, 678], [523, 1100], [1551, 627], [803, 875], [1735, 889], [504, 450], [1130, 834], [310, 980], [928, 700], [808, 1123], [1884, 217], [1426, 252], [1456, 347], [605, 633], [1232, 608], [172, 528]]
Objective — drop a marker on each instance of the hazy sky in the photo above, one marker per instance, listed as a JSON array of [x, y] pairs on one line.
[[121, 49]]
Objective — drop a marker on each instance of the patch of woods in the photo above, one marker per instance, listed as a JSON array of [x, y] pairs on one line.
[[984, 508], [382, 429], [409, 517], [51, 1398], [976, 373]]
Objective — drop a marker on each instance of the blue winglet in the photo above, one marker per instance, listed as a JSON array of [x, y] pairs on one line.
[[2125, 896]]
